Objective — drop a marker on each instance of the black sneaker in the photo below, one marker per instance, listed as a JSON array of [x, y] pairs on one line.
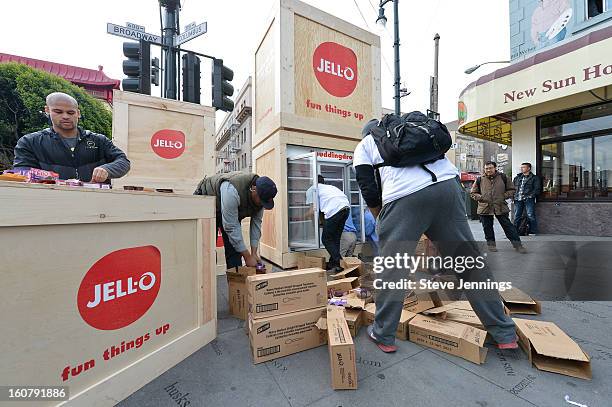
[[335, 270]]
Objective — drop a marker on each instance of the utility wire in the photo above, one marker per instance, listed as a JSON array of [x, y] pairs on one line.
[[368, 26]]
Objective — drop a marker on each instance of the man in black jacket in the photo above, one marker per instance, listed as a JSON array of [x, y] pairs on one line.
[[67, 149], [528, 186]]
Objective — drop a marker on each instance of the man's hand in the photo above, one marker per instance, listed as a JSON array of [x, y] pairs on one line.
[[249, 259], [99, 175], [255, 255]]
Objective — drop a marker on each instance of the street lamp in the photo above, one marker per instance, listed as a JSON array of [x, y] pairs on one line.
[[475, 67], [383, 21]]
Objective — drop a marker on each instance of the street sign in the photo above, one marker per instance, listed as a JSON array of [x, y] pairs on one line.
[[132, 33], [191, 33]]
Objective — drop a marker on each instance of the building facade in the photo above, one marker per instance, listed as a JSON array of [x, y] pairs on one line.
[[233, 140], [553, 105]]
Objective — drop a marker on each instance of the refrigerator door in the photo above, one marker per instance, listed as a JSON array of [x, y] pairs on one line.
[[303, 210]]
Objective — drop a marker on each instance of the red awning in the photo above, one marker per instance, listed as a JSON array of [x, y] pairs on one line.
[[74, 74]]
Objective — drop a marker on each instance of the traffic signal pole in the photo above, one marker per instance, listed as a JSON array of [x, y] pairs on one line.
[[171, 10]]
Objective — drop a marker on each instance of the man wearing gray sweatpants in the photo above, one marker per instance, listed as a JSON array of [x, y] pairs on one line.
[[415, 202]]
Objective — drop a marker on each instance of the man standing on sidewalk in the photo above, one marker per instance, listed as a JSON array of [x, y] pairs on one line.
[[409, 201], [527, 186], [335, 206], [491, 191]]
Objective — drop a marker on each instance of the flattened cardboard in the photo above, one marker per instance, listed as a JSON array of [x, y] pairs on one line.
[[349, 262], [344, 284], [451, 337], [551, 349], [237, 291], [282, 335], [353, 271], [519, 302], [305, 262], [354, 320], [402, 328], [287, 291], [341, 350]]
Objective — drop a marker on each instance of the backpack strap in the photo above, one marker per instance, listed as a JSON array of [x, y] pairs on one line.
[[433, 176]]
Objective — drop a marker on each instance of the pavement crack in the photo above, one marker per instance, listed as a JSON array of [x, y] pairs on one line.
[[278, 385]]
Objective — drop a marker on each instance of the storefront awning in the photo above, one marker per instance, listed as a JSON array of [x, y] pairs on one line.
[[488, 105]]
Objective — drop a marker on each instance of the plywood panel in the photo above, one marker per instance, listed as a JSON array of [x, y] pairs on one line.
[[45, 331], [321, 74], [265, 89], [267, 165]]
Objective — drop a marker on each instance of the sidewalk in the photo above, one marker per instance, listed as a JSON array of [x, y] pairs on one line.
[[222, 374]]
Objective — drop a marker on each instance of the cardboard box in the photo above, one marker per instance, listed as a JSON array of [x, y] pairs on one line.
[[418, 302], [341, 350], [519, 302], [451, 337], [282, 335], [458, 311], [354, 320], [551, 349], [349, 262], [348, 272], [287, 291], [237, 291], [402, 328], [306, 262], [344, 284]]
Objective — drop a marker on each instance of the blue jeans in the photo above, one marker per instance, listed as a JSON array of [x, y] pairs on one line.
[[528, 205]]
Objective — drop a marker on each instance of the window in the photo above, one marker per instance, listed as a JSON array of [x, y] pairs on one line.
[[575, 154], [597, 7]]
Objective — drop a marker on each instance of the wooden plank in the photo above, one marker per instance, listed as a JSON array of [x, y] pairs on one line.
[[267, 165], [157, 103], [94, 206], [264, 83], [207, 265]]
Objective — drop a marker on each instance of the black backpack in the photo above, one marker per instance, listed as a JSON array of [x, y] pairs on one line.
[[523, 226], [410, 139]]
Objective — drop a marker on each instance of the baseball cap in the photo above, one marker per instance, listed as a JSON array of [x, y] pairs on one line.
[[266, 190]]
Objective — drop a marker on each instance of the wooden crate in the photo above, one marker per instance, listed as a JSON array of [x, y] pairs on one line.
[[60, 245], [270, 159], [290, 88], [171, 144]]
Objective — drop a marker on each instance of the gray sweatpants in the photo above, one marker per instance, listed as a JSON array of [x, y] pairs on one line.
[[438, 211]]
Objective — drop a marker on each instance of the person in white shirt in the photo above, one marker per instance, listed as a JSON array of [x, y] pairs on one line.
[[336, 208], [409, 202]]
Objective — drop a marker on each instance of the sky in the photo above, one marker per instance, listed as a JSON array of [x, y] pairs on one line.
[[74, 32]]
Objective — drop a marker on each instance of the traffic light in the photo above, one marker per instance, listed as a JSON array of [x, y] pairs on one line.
[[221, 86], [191, 78], [155, 71], [137, 67]]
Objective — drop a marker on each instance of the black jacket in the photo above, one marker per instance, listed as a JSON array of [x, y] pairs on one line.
[[45, 150], [532, 187]]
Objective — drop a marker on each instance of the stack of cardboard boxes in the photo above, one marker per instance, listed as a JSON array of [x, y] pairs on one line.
[[283, 310]]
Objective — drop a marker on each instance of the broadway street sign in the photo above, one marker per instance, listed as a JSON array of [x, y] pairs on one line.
[[132, 33]]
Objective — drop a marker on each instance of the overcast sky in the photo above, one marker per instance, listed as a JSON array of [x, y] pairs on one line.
[[74, 32]]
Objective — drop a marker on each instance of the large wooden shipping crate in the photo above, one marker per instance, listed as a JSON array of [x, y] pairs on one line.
[[317, 82], [171, 144], [102, 291]]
